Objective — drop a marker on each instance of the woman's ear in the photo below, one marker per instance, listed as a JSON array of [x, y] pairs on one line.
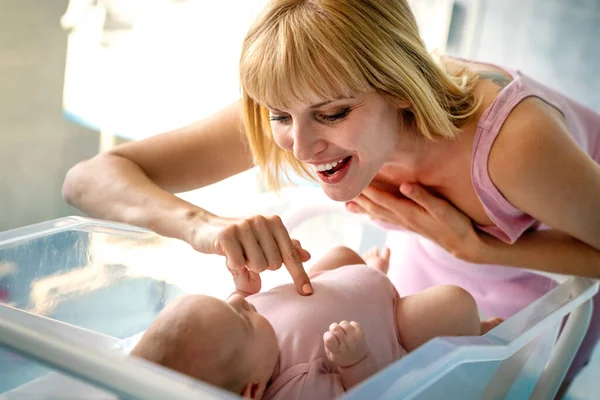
[[402, 105]]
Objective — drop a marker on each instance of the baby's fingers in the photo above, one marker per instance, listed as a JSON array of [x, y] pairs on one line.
[[331, 343], [356, 329], [347, 329], [340, 330], [304, 255]]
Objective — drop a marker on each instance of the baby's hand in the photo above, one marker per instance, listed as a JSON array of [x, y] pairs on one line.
[[345, 343]]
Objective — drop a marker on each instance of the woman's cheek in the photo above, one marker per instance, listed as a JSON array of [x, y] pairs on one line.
[[282, 139]]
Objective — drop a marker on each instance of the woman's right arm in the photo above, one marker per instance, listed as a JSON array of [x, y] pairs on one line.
[[135, 184]]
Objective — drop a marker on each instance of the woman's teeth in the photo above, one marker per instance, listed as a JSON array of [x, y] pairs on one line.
[[326, 167]]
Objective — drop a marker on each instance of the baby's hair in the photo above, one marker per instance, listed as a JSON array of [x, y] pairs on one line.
[[177, 340], [316, 50]]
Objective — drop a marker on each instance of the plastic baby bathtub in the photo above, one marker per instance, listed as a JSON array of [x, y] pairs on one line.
[[75, 289]]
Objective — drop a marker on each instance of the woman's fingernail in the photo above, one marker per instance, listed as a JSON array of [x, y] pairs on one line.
[[307, 289]]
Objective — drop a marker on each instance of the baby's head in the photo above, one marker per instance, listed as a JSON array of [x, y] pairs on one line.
[[224, 343]]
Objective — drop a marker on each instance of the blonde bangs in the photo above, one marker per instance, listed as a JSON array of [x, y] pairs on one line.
[[293, 61]]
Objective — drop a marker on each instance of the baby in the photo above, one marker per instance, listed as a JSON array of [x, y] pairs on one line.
[[278, 344]]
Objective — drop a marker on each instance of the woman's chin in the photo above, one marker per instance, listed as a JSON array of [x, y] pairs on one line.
[[341, 194]]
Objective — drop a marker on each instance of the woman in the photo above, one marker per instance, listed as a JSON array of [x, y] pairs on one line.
[[494, 169]]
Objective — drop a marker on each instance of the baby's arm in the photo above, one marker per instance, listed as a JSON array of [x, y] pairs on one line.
[[443, 310], [346, 346]]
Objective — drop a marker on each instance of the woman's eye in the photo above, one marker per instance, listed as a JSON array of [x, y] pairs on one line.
[[336, 117], [279, 118]]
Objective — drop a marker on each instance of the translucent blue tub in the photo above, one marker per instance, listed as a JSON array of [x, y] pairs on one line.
[[74, 288]]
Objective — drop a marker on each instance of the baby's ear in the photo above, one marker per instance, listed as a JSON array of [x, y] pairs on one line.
[[253, 390]]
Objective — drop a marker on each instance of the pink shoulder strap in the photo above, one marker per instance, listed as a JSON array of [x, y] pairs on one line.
[[509, 221]]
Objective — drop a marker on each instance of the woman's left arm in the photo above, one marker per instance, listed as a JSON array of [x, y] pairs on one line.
[[539, 168]]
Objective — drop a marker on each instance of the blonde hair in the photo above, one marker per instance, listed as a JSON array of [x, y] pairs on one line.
[[304, 50]]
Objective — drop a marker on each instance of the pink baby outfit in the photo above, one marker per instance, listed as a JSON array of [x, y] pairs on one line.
[[352, 293], [418, 263]]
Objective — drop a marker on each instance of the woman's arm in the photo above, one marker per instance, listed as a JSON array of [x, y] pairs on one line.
[[550, 251], [134, 183], [538, 168]]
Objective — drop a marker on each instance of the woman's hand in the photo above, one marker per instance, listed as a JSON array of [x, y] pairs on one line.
[[250, 246], [423, 213]]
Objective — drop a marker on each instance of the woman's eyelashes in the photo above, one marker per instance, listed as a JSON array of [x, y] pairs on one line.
[[337, 117], [323, 117], [278, 118]]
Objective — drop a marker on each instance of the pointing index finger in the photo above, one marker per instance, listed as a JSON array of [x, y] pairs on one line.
[[291, 260]]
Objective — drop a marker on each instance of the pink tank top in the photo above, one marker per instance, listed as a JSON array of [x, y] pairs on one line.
[[584, 126], [509, 222]]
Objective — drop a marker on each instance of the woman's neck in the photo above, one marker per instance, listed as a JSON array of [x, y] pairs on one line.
[[431, 163]]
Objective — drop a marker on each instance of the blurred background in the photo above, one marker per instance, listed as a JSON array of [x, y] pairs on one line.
[[81, 76]]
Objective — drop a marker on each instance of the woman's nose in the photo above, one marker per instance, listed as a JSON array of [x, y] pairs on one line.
[[307, 142]]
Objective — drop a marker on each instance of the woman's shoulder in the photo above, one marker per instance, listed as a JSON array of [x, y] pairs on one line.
[[489, 89], [516, 114], [491, 78], [527, 141]]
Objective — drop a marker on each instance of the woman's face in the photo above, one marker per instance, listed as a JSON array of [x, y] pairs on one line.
[[346, 141]]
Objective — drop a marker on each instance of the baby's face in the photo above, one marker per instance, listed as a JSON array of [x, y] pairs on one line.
[[254, 333], [225, 343]]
